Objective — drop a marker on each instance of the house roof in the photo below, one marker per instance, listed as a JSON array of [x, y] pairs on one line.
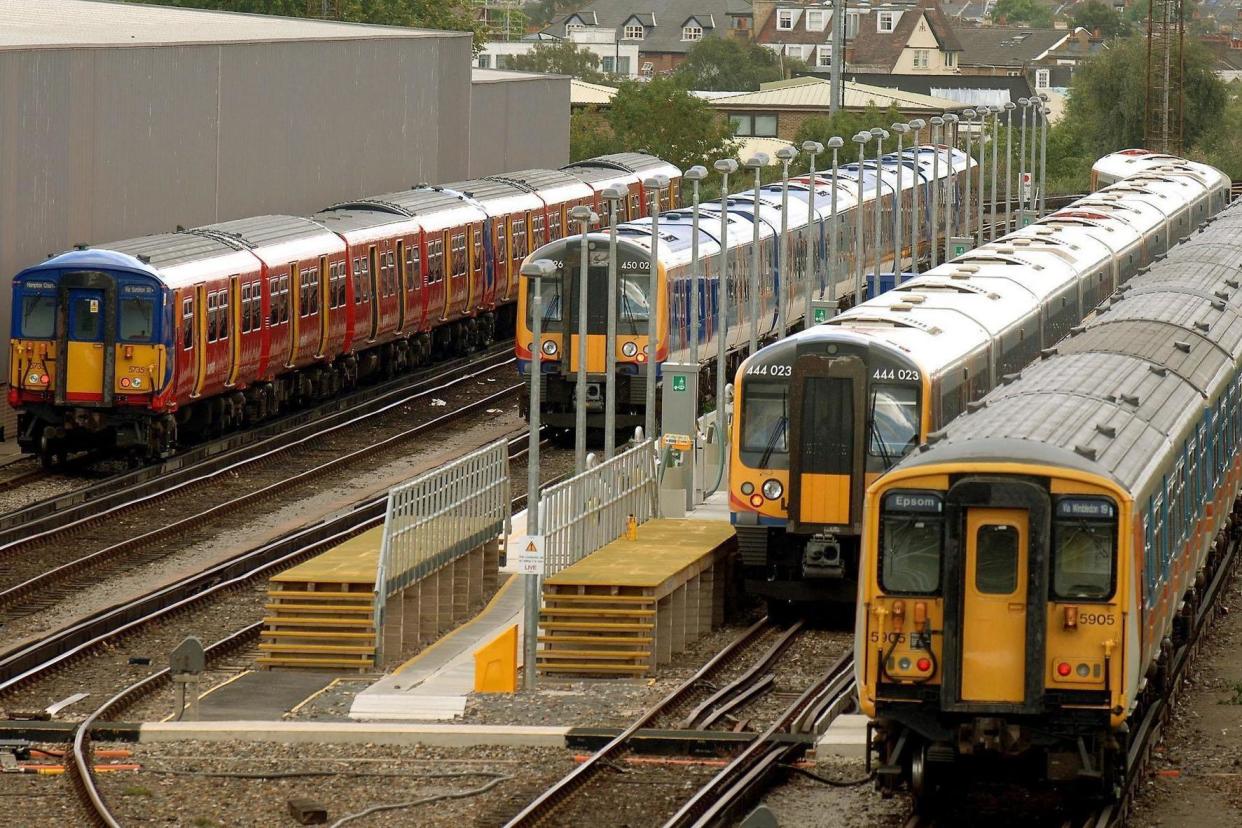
[[582, 93], [967, 89], [813, 93], [874, 48], [1014, 46], [663, 19]]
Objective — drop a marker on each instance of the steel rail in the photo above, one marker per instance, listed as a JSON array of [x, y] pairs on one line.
[[70, 508], [742, 688]]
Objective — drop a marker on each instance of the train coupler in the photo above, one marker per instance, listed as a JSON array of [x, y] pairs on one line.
[[822, 558]]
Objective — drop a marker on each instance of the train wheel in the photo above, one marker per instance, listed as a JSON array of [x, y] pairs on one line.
[[923, 785]]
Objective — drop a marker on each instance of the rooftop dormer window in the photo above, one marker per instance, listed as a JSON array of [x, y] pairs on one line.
[[785, 20], [816, 20], [886, 21], [692, 31], [634, 31]]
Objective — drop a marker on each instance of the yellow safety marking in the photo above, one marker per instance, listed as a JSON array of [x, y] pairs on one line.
[[825, 498]]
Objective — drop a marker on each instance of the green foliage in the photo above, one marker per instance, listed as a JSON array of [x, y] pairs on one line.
[[662, 118], [449, 15], [542, 12], [1222, 146], [1022, 13], [724, 64], [845, 125], [590, 135], [561, 57], [1108, 97], [1236, 698], [1096, 15]]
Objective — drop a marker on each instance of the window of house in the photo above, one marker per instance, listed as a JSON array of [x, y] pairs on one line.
[[796, 50], [760, 126], [485, 61], [816, 20], [1041, 78], [920, 58], [692, 32], [886, 21], [623, 66], [825, 56], [851, 25], [784, 19], [573, 27], [648, 69], [608, 65], [950, 59], [634, 31]]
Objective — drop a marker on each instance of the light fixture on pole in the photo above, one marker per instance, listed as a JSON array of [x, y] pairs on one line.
[[756, 162], [862, 139], [1009, 108], [1025, 103], [782, 281], [695, 175], [615, 196], [968, 116], [916, 217], [726, 167], [830, 272], [1043, 153], [1036, 109], [879, 135], [655, 185], [811, 148], [900, 131], [536, 271], [936, 123], [585, 217]]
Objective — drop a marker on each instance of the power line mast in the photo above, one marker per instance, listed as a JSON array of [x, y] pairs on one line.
[[1164, 110]]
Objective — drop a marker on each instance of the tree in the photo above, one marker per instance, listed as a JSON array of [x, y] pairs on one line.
[[1098, 16], [1107, 100], [541, 12], [590, 135], [724, 64], [662, 118], [1022, 13], [449, 15], [560, 57]]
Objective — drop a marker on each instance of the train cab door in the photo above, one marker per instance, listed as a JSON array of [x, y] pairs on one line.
[[86, 335], [402, 276], [373, 285], [994, 606], [232, 329], [826, 428], [294, 300], [324, 288]]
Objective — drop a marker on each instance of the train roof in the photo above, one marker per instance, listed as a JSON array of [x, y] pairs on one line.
[[1115, 397], [264, 231], [171, 249], [409, 203], [639, 163]]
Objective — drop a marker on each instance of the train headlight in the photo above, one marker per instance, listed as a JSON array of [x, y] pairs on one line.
[[629, 349], [34, 378], [748, 488], [772, 489], [549, 347], [137, 383]]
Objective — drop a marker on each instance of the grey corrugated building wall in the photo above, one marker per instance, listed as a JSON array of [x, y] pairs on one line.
[[118, 120]]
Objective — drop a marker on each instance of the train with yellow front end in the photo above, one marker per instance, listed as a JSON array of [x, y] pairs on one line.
[[1028, 571], [823, 413]]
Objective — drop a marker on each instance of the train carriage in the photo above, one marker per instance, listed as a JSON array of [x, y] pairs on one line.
[[1029, 571], [877, 379], [135, 343]]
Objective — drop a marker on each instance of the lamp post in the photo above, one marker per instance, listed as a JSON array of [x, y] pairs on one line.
[[968, 116], [1036, 108], [726, 167], [992, 136], [615, 196], [916, 218], [585, 217], [879, 135], [756, 162], [536, 270], [1043, 155], [936, 123], [950, 181], [695, 174], [834, 144], [786, 155], [900, 130], [862, 139], [656, 184], [1025, 103], [811, 148], [1009, 108]]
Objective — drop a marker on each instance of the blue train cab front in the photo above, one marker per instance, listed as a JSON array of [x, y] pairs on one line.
[[88, 337]]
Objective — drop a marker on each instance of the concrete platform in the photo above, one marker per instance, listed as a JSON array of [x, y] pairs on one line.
[[845, 739], [373, 733]]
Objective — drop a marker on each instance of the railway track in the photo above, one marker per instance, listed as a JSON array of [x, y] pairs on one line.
[[45, 514], [112, 540], [62, 650], [733, 679]]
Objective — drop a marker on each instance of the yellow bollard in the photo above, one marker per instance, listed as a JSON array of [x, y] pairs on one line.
[[496, 665], [631, 528]]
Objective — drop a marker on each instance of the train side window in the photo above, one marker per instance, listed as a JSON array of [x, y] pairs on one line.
[[537, 228], [519, 240], [38, 316], [212, 298], [187, 324], [222, 308], [284, 298], [478, 248], [391, 259], [502, 246], [303, 298], [341, 280], [273, 291], [413, 258], [996, 561], [1084, 548], [458, 249], [245, 300], [554, 225]]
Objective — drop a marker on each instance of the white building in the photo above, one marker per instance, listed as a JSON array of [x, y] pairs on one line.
[[615, 57]]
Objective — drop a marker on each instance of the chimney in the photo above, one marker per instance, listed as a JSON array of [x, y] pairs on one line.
[[761, 10]]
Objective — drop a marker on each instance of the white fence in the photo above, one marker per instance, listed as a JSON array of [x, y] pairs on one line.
[[440, 516], [590, 510]]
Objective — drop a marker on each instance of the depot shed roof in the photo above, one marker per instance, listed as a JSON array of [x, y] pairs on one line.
[[68, 23], [814, 93]]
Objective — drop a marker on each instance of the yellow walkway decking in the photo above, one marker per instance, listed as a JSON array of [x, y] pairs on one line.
[[634, 603]]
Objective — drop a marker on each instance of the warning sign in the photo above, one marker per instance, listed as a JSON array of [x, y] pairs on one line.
[[530, 555]]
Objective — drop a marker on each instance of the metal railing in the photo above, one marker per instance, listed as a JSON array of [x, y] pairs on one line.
[[590, 511], [441, 515]]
